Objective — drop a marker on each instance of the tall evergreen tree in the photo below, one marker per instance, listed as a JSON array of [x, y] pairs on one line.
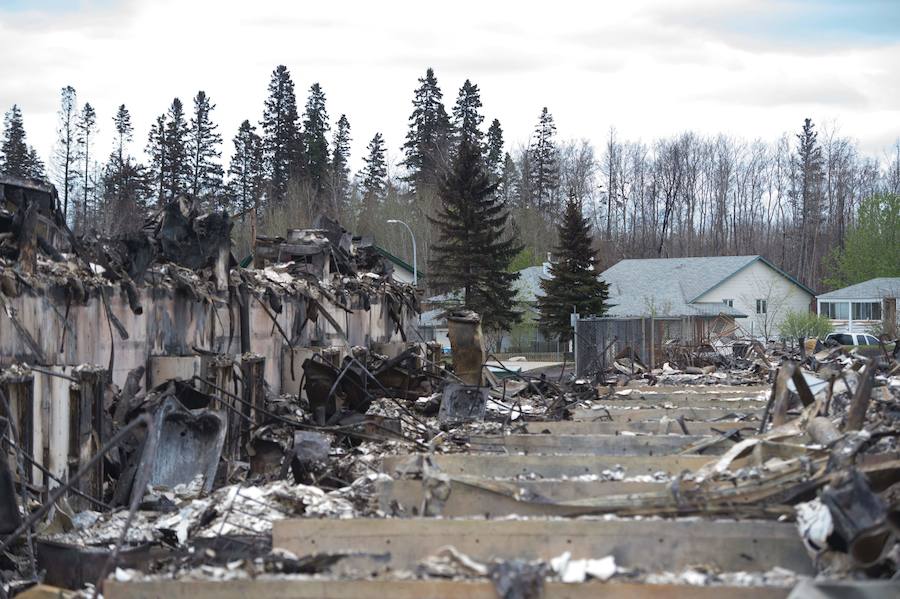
[[315, 143], [474, 248], [428, 139], [467, 117], [64, 158], [17, 158], [156, 149], [176, 166], [375, 171], [373, 177], [87, 128], [124, 131], [246, 172], [510, 181], [203, 143], [282, 145], [807, 193], [543, 175], [574, 284], [125, 182], [494, 151], [340, 167]]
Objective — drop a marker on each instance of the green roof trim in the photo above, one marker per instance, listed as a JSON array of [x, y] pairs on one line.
[[750, 263], [398, 261]]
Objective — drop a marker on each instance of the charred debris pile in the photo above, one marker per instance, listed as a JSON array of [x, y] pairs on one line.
[[175, 420]]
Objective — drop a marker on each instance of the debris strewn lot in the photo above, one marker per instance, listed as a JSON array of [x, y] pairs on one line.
[[278, 430]]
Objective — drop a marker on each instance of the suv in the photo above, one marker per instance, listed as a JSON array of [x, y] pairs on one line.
[[852, 339]]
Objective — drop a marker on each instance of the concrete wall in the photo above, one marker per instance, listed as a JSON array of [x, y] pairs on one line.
[[173, 324], [759, 281]]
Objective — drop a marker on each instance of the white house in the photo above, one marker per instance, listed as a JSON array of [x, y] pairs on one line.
[[860, 307], [749, 288]]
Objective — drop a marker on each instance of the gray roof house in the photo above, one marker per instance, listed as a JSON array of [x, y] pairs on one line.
[[858, 308], [749, 288]]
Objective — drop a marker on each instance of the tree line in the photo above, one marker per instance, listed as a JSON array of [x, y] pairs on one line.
[[793, 199]]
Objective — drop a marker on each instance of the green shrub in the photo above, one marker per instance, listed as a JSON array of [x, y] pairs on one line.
[[804, 324]]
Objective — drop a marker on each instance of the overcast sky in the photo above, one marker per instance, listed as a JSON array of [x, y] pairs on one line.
[[750, 68]]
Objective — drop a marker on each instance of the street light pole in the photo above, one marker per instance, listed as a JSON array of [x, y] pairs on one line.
[[415, 269]]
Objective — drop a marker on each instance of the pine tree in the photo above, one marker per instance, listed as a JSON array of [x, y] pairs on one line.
[[375, 171], [156, 149], [574, 284], [428, 139], [315, 143], [65, 154], [543, 174], [373, 182], [125, 182], [246, 173], [808, 194], [467, 117], [87, 128], [282, 145], [510, 182], [176, 166], [203, 143], [494, 150], [124, 131], [17, 158], [474, 248], [340, 167]]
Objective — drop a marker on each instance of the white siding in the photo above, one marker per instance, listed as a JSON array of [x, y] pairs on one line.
[[759, 281]]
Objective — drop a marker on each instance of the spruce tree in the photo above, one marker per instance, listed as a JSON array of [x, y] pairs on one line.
[[315, 143], [428, 139], [246, 171], [543, 173], [474, 248], [373, 182], [510, 182], [125, 182], [203, 142], [124, 131], [87, 128], [65, 154], [282, 145], [494, 150], [156, 150], [574, 284], [467, 117], [176, 166], [340, 167], [17, 158]]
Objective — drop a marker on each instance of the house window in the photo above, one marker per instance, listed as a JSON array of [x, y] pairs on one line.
[[866, 310], [728, 302], [761, 306], [835, 310]]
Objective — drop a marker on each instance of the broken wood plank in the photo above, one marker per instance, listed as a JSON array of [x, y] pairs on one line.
[[683, 391], [601, 427], [606, 445], [542, 466], [681, 401], [492, 499], [274, 588], [664, 544], [644, 413]]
